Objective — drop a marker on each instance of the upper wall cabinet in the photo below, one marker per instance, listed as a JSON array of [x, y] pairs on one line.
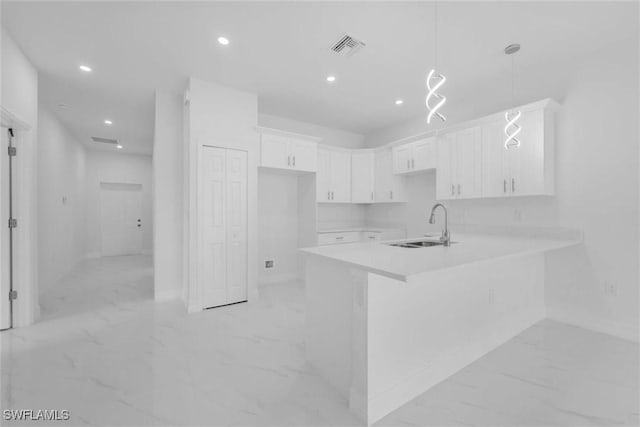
[[288, 152], [459, 168], [333, 178], [415, 156], [389, 187], [362, 177], [527, 170]]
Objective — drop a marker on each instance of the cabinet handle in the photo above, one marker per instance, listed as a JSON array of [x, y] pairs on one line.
[[288, 160], [504, 186], [391, 194], [453, 189], [372, 237], [294, 161], [328, 195], [408, 164], [513, 185], [459, 189], [340, 238], [413, 163], [332, 197], [372, 195]]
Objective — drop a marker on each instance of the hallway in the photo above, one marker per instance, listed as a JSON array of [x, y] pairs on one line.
[[113, 357]]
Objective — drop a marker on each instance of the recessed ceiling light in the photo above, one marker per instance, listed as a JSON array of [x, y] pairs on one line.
[[108, 122], [85, 68], [119, 146], [399, 101], [331, 79], [223, 40]]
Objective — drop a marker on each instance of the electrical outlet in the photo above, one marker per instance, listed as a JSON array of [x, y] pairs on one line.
[[268, 263], [517, 215], [610, 288]]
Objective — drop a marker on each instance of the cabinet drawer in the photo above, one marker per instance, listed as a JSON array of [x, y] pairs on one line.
[[333, 238], [371, 236]]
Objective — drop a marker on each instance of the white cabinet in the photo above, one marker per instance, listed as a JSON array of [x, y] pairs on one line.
[[523, 171], [333, 178], [375, 235], [222, 219], [338, 237], [416, 156], [282, 152], [362, 176], [459, 169], [389, 187]]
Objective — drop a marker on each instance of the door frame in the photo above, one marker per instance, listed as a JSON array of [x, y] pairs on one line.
[[25, 240]]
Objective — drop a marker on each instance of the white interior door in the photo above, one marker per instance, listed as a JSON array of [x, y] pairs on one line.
[[236, 226], [5, 316], [213, 222], [121, 218]]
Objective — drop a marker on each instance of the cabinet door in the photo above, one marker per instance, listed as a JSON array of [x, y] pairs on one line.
[[526, 163], [236, 205], [362, 177], [340, 176], [323, 176], [424, 155], [304, 155], [446, 178], [212, 275], [274, 152], [495, 170], [402, 158], [468, 159]]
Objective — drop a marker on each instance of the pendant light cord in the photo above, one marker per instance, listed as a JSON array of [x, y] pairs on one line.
[[435, 37]]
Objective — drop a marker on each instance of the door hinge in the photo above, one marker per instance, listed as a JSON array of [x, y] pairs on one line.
[[13, 223], [13, 295], [12, 151]]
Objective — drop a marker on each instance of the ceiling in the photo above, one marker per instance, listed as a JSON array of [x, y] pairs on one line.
[[280, 50]]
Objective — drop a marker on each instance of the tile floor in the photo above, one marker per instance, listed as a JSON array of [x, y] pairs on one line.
[[109, 355]]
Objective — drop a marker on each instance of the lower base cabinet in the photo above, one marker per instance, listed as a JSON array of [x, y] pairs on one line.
[[332, 238], [222, 219]]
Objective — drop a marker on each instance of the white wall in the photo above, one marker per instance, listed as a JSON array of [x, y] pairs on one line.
[[597, 191], [223, 117], [62, 203], [278, 203], [167, 195], [420, 194], [116, 168], [277, 226], [330, 136], [19, 95]]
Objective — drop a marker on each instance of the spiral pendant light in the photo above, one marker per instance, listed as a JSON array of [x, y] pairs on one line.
[[512, 128], [435, 100]]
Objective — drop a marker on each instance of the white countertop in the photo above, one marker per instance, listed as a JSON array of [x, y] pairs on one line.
[[401, 263]]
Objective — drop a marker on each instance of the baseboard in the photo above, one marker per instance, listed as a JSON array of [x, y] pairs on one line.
[[618, 330], [167, 295], [277, 278]]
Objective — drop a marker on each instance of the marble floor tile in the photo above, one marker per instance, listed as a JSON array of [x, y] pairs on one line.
[[111, 356]]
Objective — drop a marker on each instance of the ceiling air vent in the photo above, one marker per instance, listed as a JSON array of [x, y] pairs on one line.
[[347, 45], [104, 140]]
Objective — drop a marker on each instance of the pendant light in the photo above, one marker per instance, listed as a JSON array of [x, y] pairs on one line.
[[435, 101], [512, 128]]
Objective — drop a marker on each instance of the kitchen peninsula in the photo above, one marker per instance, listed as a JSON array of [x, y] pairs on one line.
[[385, 323]]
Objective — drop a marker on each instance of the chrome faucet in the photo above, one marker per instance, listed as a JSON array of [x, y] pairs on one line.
[[446, 237]]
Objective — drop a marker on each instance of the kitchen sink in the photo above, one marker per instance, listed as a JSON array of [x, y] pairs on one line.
[[418, 244]]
